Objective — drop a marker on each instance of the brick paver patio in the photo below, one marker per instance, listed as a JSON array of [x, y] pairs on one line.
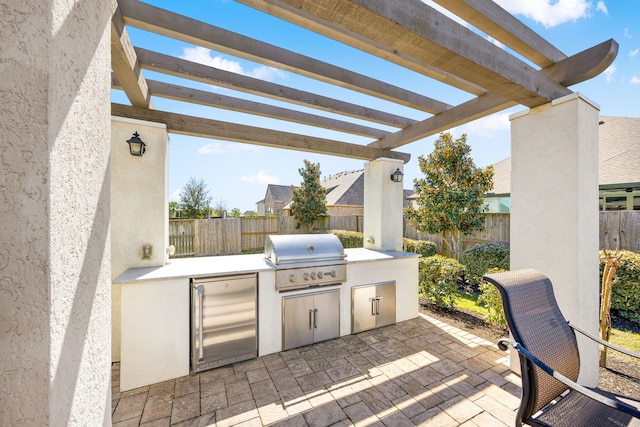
[[414, 373]]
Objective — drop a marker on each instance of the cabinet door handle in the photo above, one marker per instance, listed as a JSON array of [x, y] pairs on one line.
[[315, 318], [373, 310], [310, 318], [201, 320], [378, 299]]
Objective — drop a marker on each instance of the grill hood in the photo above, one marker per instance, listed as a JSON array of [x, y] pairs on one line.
[[290, 250]]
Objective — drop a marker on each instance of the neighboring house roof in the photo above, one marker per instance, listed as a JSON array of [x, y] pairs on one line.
[[345, 188], [619, 155], [280, 193]]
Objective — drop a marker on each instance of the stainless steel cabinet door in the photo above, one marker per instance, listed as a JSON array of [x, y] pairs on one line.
[[326, 316], [386, 304], [297, 328], [363, 308], [373, 306], [310, 318]]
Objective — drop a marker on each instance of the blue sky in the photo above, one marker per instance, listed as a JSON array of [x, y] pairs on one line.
[[237, 174]]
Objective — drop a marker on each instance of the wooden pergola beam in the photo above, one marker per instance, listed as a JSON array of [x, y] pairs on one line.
[[292, 13], [496, 22], [202, 73], [211, 99], [167, 23], [208, 128], [575, 69], [124, 64]]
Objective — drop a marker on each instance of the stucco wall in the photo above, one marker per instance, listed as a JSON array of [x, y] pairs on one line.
[[54, 213], [139, 205], [554, 214], [382, 205]]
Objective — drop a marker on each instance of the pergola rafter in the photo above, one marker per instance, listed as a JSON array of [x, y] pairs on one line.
[[410, 34]]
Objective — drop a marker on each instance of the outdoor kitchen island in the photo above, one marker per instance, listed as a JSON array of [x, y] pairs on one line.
[[155, 306]]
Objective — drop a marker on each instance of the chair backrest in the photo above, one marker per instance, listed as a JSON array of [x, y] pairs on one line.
[[535, 321]]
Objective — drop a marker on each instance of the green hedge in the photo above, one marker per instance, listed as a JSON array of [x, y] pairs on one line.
[[349, 239], [422, 247], [481, 258], [625, 295], [438, 277], [355, 239]]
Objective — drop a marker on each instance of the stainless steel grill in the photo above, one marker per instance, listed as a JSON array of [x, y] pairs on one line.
[[306, 260]]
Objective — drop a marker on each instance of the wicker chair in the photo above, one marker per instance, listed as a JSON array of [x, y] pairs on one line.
[[549, 359]]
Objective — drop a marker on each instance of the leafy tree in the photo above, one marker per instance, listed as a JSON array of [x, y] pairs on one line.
[[309, 201], [451, 194], [235, 213], [174, 210], [220, 207], [195, 199]]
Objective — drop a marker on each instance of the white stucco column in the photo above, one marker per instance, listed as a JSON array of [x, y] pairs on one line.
[[139, 206], [382, 205], [554, 208], [55, 284]]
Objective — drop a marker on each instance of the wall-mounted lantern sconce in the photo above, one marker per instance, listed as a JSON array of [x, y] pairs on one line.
[[397, 176], [136, 146]]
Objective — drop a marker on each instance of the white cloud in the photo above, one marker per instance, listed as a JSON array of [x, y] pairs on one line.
[[203, 56], [487, 127], [602, 7], [211, 148], [231, 147], [260, 178], [609, 72], [634, 52], [635, 80], [549, 13], [175, 195]]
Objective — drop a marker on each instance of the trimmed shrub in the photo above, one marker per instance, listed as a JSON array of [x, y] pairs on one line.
[[481, 258], [422, 247], [438, 277], [491, 300], [625, 294], [349, 239]]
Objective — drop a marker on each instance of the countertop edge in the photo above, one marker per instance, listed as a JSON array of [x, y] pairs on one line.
[[185, 268]]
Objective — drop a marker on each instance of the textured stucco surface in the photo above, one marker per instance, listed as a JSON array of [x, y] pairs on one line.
[[139, 205], [54, 213], [554, 215], [382, 205]]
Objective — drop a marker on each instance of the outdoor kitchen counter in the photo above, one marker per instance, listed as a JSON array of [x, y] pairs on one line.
[[234, 264], [151, 312]]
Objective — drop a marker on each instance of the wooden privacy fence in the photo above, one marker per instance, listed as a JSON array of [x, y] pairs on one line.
[[218, 236]]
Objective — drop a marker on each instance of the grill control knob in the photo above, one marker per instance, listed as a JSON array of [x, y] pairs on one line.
[[320, 274], [306, 276], [333, 273], [292, 277], [313, 275]]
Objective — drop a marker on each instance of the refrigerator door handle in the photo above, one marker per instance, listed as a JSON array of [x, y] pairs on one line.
[[201, 320]]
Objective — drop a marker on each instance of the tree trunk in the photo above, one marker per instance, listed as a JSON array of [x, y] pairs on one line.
[[610, 266]]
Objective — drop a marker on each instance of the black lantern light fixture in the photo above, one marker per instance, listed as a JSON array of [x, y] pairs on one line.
[[136, 146], [397, 176]]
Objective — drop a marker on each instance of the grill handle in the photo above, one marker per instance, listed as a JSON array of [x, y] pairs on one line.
[[201, 320]]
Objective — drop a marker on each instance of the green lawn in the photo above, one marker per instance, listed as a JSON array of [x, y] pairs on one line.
[[468, 301]]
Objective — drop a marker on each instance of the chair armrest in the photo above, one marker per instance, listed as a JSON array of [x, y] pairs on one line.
[[621, 406], [605, 343]]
